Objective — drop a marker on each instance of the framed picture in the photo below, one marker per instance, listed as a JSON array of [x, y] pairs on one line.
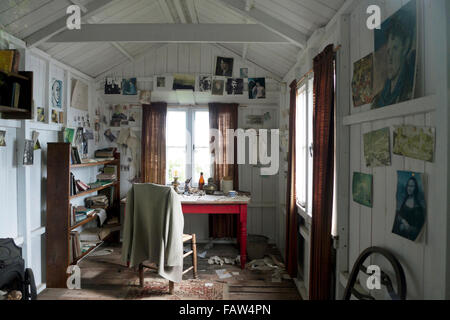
[[235, 86], [56, 93], [129, 87], [218, 86], [113, 86], [224, 67], [183, 82], [256, 88]]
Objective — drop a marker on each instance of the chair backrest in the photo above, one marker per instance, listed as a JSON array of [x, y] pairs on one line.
[[399, 294]]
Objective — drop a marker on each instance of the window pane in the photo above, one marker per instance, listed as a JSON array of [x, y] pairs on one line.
[[201, 164], [201, 129], [310, 143], [301, 146], [176, 129], [176, 163]]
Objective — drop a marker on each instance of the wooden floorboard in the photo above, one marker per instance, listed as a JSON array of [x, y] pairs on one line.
[[107, 278]]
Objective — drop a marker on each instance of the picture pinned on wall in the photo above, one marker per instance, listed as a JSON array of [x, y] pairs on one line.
[[109, 135], [411, 206], [145, 96], [28, 153], [113, 85], [55, 116], [376, 148], [56, 94], [129, 87], [224, 67], [204, 83], [162, 83], [88, 135], [362, 188], [362, 82], [218, 87], [36, 143], [395, 57], [135, 116], [119, 115], [2, 138], [69, 134], [183, 82], [244, 72], [414, 142], [235, 86], [40, 115], [256, 88]]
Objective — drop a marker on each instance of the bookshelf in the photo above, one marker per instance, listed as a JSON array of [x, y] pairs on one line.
[[58, 221], [25, 98]]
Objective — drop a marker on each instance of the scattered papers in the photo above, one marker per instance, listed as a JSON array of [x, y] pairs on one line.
[[223, 274], [218, 260], [270, 264], [235, 273], [215, 260], [202, 255], [101, 253]]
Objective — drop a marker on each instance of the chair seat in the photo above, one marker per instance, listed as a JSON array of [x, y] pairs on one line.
[[187, 237]]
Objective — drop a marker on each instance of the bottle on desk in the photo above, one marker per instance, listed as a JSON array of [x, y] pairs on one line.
[[201, 182]]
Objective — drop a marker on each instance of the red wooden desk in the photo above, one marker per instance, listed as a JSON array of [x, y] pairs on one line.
[[231, 206]]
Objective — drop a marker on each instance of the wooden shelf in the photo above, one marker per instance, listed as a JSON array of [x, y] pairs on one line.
[[15, 75], [93, 164], [78, 259], [83, 222], [106, 186]]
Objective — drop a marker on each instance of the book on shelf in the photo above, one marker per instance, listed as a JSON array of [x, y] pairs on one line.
[[97, 202], [106, 177], [75, 156], [76, 245], [112, 170], [105, 153], [9, 60], [81, 186], [15, 95]]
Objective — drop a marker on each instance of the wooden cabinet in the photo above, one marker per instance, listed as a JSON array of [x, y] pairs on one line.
[[21, 83]]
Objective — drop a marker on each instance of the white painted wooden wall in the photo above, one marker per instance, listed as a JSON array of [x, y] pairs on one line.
[[200, 59]]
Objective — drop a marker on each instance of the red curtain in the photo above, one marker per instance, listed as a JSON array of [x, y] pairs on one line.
[[323, 170], [224, 116], [153, 158], [291, 207]]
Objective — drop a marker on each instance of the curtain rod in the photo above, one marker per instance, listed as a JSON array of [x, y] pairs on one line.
[[336, 49]]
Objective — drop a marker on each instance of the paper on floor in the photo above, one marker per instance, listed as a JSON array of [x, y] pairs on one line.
[[223, 274]]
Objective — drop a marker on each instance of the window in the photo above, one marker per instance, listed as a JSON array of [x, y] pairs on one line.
[[187, 144], [304, 144]]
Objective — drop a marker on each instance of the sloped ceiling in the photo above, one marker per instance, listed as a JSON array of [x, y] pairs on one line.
[[23, 18]]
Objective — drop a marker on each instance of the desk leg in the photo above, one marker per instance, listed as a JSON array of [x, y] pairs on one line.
[[243, 234]]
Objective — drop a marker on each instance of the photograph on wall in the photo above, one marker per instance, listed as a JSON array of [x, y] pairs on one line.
[[218, 87], [36, 143], [109, 135], [40, 115], [414, 142], [69, 134], [129, 87], [183, 82], [2, 138], [411, 207], [113, 85], [57, 93], [28, 153], [395, 57], [362, 188], [119, 114], [55, 116], [256, 88], [135, 116], [162, 83], [204, 83], [244, 72], [224, 67], [362, 82], [145, 96], [235, 86], [376, 148]]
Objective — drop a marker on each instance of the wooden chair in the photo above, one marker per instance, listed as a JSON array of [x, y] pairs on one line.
[[193, 252]]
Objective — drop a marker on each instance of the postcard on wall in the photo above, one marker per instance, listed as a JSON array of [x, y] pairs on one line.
[[109, 135], [411, 208], [395, 57], [362, 188], [135, 116], [204, 83], [224, 67], [218, 87], [145, 96], [362, 83], [36, 143], [69, 134], [55, 116], [113, 85], [28, 153], [414, 142], [256, 88], [129, 87], [2, 138], [235, 86], [183, 82], [376, 148], [40, 114], [57, 93]]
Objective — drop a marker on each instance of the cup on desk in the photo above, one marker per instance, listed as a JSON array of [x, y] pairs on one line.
[[232, 194]]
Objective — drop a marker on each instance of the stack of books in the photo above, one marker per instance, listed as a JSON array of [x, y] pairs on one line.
[[75, 157], [81, 213], [9, 60], [97, 202], [105, 153]]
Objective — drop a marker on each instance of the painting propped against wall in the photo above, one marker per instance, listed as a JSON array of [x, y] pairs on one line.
[[376, 148], [414, 142], [362, 188], [129, 87], [362, 82], [395, 57], [411, 206]]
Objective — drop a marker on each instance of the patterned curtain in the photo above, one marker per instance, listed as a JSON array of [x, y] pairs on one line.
[[154, 143], [222, 117], [323, 175]]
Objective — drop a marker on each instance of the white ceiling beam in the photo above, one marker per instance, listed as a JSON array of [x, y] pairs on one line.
[[294, 36], [122, 50], [179, 8], [166, 11], [60, 25], [191, 5], [170, 33]]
